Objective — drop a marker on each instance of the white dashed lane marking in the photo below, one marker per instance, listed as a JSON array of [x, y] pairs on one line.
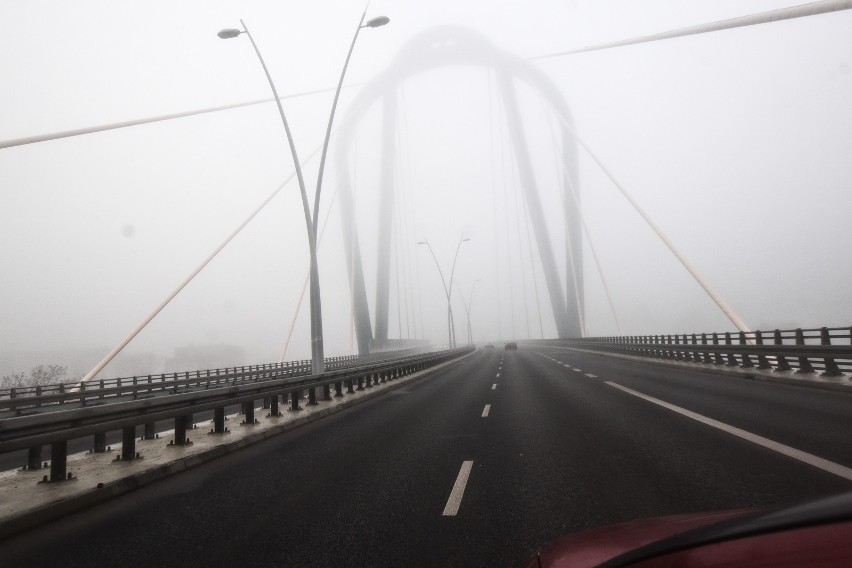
[[486, 410], [591, 376], [494, 386], [453, 503]]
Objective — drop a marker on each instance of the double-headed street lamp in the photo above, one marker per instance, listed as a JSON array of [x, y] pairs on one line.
[[451, 325], [311, 222]]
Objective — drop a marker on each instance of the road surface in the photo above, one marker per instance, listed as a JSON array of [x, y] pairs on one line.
[[476, 465]]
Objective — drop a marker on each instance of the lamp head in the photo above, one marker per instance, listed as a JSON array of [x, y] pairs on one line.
[[228, 33], [377, 22]]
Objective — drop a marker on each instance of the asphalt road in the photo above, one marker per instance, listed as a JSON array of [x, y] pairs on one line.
[[557, 451]]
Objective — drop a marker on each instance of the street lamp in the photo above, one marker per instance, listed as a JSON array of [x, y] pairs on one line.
[[451, 325], [311, 222]]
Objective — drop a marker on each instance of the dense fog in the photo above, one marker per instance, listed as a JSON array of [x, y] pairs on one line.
[[737, 144]]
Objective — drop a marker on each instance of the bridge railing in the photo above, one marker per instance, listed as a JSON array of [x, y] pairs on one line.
[[50, 420], [57, 392], [824, 350]]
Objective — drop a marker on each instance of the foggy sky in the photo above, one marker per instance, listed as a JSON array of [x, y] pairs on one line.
[[737, 143]]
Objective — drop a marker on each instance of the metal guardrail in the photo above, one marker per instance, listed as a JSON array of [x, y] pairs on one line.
[[291, 367], [32, 422], [824, 350]]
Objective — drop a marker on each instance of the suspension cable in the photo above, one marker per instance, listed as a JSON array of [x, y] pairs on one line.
[[726, 309], [801, 11]]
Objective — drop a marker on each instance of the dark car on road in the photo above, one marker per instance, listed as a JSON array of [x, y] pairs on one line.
[[511, 345]]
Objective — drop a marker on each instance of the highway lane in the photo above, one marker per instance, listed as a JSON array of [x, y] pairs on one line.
[[813, 420], [556, 452]]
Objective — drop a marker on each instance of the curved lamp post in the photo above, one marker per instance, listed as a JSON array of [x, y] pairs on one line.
[[311, 222], [451, 326]]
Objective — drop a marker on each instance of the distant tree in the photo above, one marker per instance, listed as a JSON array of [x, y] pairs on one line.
[[39, 376]]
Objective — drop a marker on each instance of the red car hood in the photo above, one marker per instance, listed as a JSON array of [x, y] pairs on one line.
[[592, 547]]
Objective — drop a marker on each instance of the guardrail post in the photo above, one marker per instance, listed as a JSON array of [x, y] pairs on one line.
[[312, 396], [219, 420], [804, 363], [99, 445], [294, 400], [326, 392], [273, 406], [150, 432], [746, 360], [58, 460], [781, 360], [128, 443], [696, 355], [338, 388], [717, 355], [762, 361], [350, 386], [34, 457], [248, 411], [708, 357], [732, 359], [180, 432], [831, 368]]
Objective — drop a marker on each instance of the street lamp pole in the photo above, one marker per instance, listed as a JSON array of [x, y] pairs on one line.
[[316, 308], [451, 332], [311, 222]]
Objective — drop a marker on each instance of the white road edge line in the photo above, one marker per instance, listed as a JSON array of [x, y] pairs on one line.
[[452, 507], [486, 410], [810, 459], [494, 386], [591, 376]]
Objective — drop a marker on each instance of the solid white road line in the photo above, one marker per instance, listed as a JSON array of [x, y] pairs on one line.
[[452, 507], [494, 386], [809, 459], [591, 376], [486, 410]]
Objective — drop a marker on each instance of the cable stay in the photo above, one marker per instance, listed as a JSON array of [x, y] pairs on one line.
[[726, 309], [801, 11]]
